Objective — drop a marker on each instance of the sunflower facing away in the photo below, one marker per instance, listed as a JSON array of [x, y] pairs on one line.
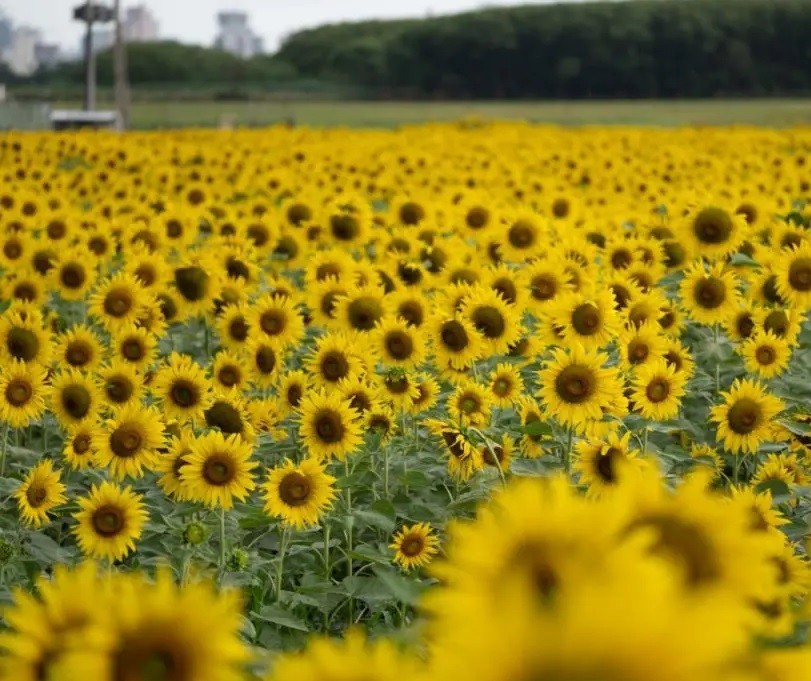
[[415, 545], [299, 494], [110, 521]]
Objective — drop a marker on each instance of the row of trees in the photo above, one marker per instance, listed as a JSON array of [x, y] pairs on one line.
[[632, 48], [637, 48]]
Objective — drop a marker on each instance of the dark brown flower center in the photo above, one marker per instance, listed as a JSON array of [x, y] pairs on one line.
[[455, 444], [364, 313], [81, 443], [298, 213], [219, 469], [192, 283], [12, 249], [411, 213], [295, 489], [575, 384], [675, 253], [108, 520], [334, 366], [36, 495], [522, 234], [72, 275], [328, 426], [344, 227], [22, 344], [25, 291], [710, 292], [399, 345], [265, 359], [236, 269], [621, 259], [185, 393], [638, 351], [745, 325], [168, 307], [544, 287], [777, 322], [273, 322], [454, 336], [18, 392], [132, 349], [78, 353], [765, 355], [489, 321], [748, 211], [229, 375], [712, 226], [76, 401], [224, 416], [118, 388], [744, 416], [586, 319], [118, 302], [411, 313], [658, 390], [412, 545], [605, 464], [799, 274], [560, 208], [126, 440], [502, 386], [769, 289], [477, 217], [294, 395], [258, 234]]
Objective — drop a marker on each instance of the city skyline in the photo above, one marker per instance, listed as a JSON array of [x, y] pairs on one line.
[[195, 21]]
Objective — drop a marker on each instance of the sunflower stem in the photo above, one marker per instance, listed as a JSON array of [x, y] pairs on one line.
[[385, 472], [350, 566], [737, 469], [3, 451], [280, 564], [567, 455], [327, 567], [221, 565], [645, 441]]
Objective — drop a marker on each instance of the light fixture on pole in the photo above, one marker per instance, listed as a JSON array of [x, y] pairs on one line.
[[91, 13]]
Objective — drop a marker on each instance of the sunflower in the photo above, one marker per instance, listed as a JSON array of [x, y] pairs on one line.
[[679, 357], [740, 324], [641, 345], [428, 389], [184, 632], [218, 470], [498, 454], [276, 317], [78, 447], [523, 237], [121, 384], [494, 319], [229, 371], [168, 465], [330, 427], [72, 275], [360, 309], [398, 344], [745, 417], [590, 320], [182, 389], [267, 415], [79, 347], [265, 361], [118, 301], [463, 458], [322, 299], [22, 393], [782, 322], [229, 415], [601, 462], [129, 441], [415, 545], [765, 354], [23, 338], [455, 341], [360, 394], [576, 386], [793, 273], [658, 390], [470, 404], [24, 286], [409, 305], [197, 285], [40, 491], [74, 397], [292, 388], [709, 296], [110, 520], [298, 494], [381, 422], [134, 345], [233, 326], [713, 231], [531, 443], [399, 387], [335, 359]]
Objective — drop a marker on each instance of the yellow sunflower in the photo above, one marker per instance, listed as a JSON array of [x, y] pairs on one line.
[[765, 354], [709, 296], [330, 427], [744, 419], [169, 465], [455, 341], [23, 338], [110, 521], [335, 358], [41, 490], [588, 319], [415, 545], [22, 393], [121, 384], [129, 441], [79, 347], [398, 344], [118, 302], [78, 447], [658, 389], [277, 318], [498, 324], [182, 389], [230, 370], [74, 397], [793, 272], [298, 494]]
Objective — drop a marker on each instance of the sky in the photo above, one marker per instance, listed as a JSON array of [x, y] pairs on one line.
[[194, 21]]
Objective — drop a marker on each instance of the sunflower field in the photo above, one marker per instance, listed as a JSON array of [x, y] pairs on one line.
[[522, 402]]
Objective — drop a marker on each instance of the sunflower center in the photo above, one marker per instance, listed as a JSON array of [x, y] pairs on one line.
[[76, 401], [192, 282], [399, 345], [521, 234], [118, 389], [132, 349], [777, 322], [173, 228], [294, 394], [12, 250], [225, 417], [454, 443], [489, 321], [675, 253], [295, 489], [411, 213], [477, 217], [411, 313], [769, 289], [658, 390], [237, 269], [412, 546], [621, 259], [108, 520], [126, 440], [219, 469], [36, 495], [606, 463], [334, 366], [543, 287], [489, 452], [238, 329], [765, 355], [469, 404], [78, 353], [25, 291], [638, 351], [184, 393], [712, 226], [328, 426], [745, 325], [272, 322], [454, 336], [298, 213], [344, 227], [364, 313], [81, 443], [744, 416], [18, 392], [22, 344], [710, 292], [118, 302], [673, 359], [328, 303], [687, 543], [360, 402], [586, 319], [502, 387], [228, 375], [258, 234], [799, 274], [748, 211], [621, 296], [265, 359], [534, 557], [168, 307], [72, 275], [575, 384]]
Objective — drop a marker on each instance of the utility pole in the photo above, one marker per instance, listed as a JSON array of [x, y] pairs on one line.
[[122, 90], [91, 13]]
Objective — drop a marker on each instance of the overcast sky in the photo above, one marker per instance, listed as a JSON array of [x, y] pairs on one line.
[[194, 20]]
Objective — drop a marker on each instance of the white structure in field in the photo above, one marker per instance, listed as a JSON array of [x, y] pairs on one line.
[[21, 54], [236, 35], [139, 25]]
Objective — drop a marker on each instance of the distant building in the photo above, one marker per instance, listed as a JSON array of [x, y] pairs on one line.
[[6, 32], [47, 55], [139, 25], [21, 54], [236, 35]]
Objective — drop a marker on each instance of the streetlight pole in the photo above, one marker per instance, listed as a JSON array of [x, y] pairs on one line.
[[89, 65]]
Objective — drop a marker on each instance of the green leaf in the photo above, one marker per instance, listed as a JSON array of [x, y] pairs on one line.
[[744, 260], [537, 428], [778, 488], [281, 617], [403, 589]]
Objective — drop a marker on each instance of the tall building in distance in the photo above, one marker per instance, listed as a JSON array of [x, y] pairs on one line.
[[236, 36], [139, 25], [21, 54], [6, 32]]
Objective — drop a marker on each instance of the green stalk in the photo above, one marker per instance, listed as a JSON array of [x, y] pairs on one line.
[[3, 451], [280, 564], [567, 455], [221, 564]]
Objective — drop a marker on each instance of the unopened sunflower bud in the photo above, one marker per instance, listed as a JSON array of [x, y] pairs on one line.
[[237, 561], [195, 533]]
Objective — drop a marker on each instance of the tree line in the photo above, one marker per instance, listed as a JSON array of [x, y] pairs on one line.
[[631, 48]]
